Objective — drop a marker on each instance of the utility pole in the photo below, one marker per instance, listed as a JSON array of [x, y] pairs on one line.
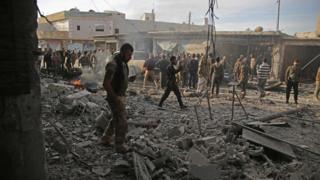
[[278, 17], [189, 20]]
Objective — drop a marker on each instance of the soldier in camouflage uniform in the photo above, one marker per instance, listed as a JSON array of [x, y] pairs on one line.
[[236, 68], [116, 83], [243, 77]]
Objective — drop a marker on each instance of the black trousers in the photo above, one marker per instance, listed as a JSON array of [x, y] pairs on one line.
[[193, 79], [294, 85], [215, 83], [175, 89]]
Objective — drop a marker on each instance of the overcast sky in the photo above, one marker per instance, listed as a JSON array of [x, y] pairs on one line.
[[234, 15]]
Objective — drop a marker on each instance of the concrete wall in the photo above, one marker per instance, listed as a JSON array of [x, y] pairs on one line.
[[88, 27], [126, 26]]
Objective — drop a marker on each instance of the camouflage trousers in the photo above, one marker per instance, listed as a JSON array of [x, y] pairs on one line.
[[243, 85], [118, 125], [149, 75]]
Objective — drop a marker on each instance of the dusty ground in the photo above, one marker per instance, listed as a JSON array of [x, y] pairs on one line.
[[175, 142]]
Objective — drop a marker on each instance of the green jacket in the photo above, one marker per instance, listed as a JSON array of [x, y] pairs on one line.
[[293, 74]]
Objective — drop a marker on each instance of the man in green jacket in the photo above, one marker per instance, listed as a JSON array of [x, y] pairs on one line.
[[292, 79]]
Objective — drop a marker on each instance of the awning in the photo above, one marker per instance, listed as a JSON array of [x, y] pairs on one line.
[[194, 46], [167, 45]]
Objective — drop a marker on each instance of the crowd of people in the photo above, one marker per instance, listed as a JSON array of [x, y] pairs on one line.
[[196, 71], [184, 70], [67, 59]]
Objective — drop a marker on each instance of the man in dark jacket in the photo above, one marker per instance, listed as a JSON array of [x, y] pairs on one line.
[[292, 79], [172, 83], [116, 83], [163, 64], [193, 69], [217, 73]]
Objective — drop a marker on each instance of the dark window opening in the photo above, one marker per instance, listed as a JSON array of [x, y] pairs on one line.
[[78, 27]]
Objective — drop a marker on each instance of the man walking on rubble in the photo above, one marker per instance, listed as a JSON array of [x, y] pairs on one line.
[[292, 79], [263, 74], [116, 83], [216, 72], [317, 90], [243, 77], [172, 83]]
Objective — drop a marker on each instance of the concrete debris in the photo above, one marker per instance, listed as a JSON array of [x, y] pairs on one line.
[[103, 119], [166, 143], [84, 144], [200, 166], [101, 171], [176, 131], [185, 144]]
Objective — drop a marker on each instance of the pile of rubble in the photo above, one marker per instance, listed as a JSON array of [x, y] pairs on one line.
[[173, 143]]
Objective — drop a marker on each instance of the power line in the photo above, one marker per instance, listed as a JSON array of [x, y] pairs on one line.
[[95, 6], [109, 5], [278, 17]]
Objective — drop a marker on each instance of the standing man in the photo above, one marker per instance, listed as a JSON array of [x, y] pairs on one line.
[[183, 74], [116, 83], [193, 68], [253, 63], [93, 60], [292, 79], [243, 77], [203, 73], [149, 66], [236, 68], [217, 72], [317, 90], [172, 84], [263, 75], [48, 59], [163, 65]]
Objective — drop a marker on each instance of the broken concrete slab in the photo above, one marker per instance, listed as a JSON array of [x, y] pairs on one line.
[[176, 131], [84, 144], [140, 167], [150, 165], [101, 171], [200, 166], [261, 138]]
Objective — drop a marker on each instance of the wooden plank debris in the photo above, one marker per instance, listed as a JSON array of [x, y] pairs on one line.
[[279, 124], [273, 86], [280, 114]]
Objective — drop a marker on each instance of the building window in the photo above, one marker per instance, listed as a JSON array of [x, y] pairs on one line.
[[99, 27], [116, 31], [78, 27]]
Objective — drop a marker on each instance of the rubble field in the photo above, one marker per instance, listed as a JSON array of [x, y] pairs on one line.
[[268, 139]]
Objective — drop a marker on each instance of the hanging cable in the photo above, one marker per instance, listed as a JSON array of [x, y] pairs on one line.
[[211, 35]]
